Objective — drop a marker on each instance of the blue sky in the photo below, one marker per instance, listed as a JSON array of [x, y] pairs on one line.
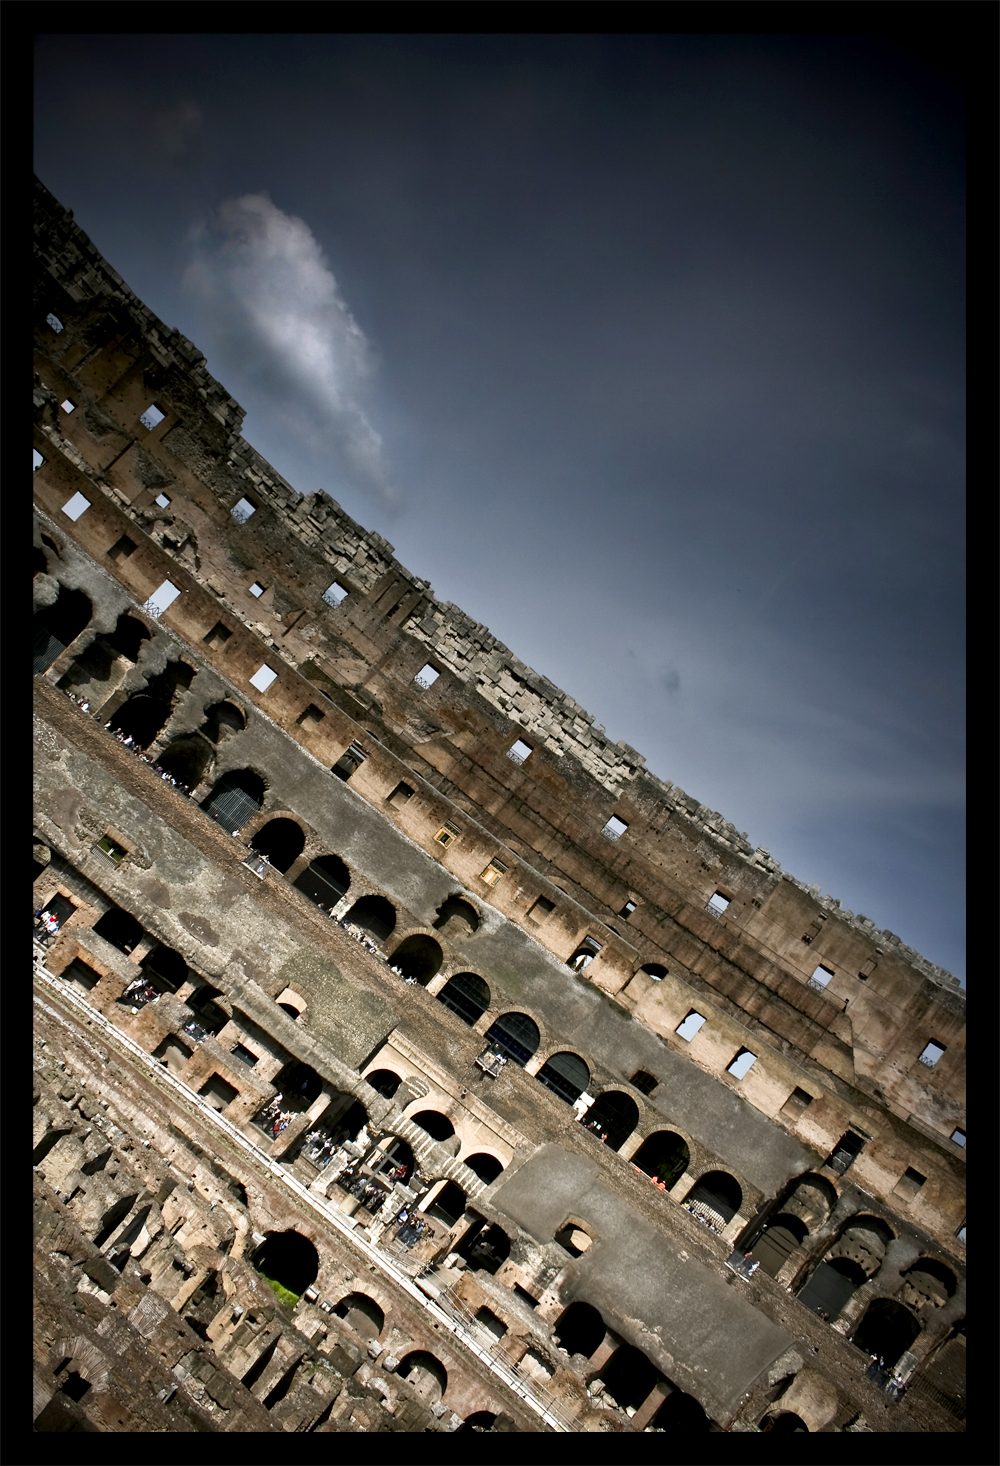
[[648, 351]]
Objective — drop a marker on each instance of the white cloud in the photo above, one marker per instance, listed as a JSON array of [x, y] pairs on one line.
[[277, 316]]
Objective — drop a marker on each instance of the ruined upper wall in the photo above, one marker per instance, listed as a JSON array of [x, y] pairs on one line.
[[72, 274]]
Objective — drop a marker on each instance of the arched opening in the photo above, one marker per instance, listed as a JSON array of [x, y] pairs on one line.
[[715, 1198], [485, 1247], [448, 1205], [830, 1285], [120, 929], [186, 760], [574, 1239], [438, 1126], [336, 1126], [478, 1423], [362, 1314], [282, 841], [811, 1198], [466, 995], [289, 1259], [299, 1086], [211, 1018], [778, 1241], [515, 1036], [580, 1329], [682, 1415], [92, 669], [57, 626], [418, 959], [458, 917], [629, 1377], [887, 1330], [396, 1163], [928, 1281], [612, 1118], [664, 1156], [236, 798], [324, 880], [784, 1423], [128, 636], [427, 1376], [486, 1167], [145, 713], [222, 719], [383, 1082], [165, 968], [374, 915], [654, 970], [566, 1075]]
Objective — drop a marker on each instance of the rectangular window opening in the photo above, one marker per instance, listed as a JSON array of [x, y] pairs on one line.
[[349, 762], [427, 675], [447, 834], [257, 589], [643, 1082], [246, 1055], [519, 751], [489, 1321], [820, 977], [218, 1092], [958, 1136], [614, 829], [242, 511], [76, 506], [796, 1103], [36, 460], [263, 677], [54, 322], [335, 594], [493, 872], [163, 501], [163, 596], [743, 1062], [691, 1025], [525, 1296], [218, 636], [846, 1151], [68, 406], [111, 850], [121, 549], [401, 794], [908, 1184], [717, 904], [627, 909], [932, 1053], [310, 717], [152, 417], [540, 909]]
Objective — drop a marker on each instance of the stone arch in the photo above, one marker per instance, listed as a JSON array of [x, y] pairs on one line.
[[374, 915], [362, 1314], [427, 1376], [864, 1240], [514, 1035], [928, 1283], [629, 1376], [56, 627], [486, 1167], [128, 636], [282, 840], [566, 1075], [664, 1156], [575, 1236], [143, 715], [418, 957], [783, 1422], [449, 1204], [485, 1247], [288, 1258], [187, 759], [325, 879], [299, 1084], [85, 1358], [612, 1117], [437, 1126], [223, 719], [717, 1196], [120, 929], [811, 1199], [779, 1239], [466, 995], [457, 917], [165, 968], [887, 1329], [234, 799], [681, 1415], [655, 970], [580, 1329], [384, 1082]]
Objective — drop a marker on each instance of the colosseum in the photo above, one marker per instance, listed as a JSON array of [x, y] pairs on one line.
[[408, 1057]]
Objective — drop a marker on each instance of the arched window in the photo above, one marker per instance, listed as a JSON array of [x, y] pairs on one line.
[[128, 637], [629, 1376], [466, 995], [458, 917], [383, 1082], [665, 1156], [566, 1075], [289, 1259], [281, 840], [887, 1330], [222, 719], [374, 915], [362, 1314], [324, 880], [580, 1329], [681, 1415], [655, 970], [165, 968], [57, 626], [779, 1239], [438, 1126], [120, 929], [448, 1205], [515, 1036], [486, 1167], [299, 1085], [928, 1281], [716, 1197], [187, 760], [427, 1376], [485, 1247], [146, 712], [612, 1118], [418, 957], [236, 798]]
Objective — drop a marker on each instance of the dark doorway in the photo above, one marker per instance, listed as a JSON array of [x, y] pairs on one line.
[[448, 1205], [427, 1376], [485, 1248], [830, 1286], [613, 1116], [281, 841], [716, 1192], [458, 917], [127, 638], [515, 1036], [61, 909], [465, 995], [629, 1376], [580, 1330], [165, 968], [384, 1082], [438, 1126], [120, 929], [57, 626], [779, 1239], [663, 1155], [682, 1414], [324, 880], [784, 1423], [299, 1085], [418, 958], [374, 915], [396, 1163], [486, 1167], [887, 1330], [146, 712], [222, 719], [289, 1259], [187, 760], [236, 798], [362, 1314], [566, 1075]]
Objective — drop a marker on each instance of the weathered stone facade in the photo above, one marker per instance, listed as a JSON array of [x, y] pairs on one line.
[[365, 856]]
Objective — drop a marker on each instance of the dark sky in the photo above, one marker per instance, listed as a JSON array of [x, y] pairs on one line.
[[648, 351]]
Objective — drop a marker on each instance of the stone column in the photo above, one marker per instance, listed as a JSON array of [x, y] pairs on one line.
[[651, 1404], [436, 984], [604, 1351]]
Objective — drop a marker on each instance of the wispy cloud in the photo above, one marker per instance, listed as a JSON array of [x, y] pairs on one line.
[[277, 316]]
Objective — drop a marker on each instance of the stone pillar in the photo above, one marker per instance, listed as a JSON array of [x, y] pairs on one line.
[[651, 1404], [604, 1351], [628, 1150], [680, 1188], [143, 948], [534, 1064], [298, 865], [733, 1229], [436, 984]]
